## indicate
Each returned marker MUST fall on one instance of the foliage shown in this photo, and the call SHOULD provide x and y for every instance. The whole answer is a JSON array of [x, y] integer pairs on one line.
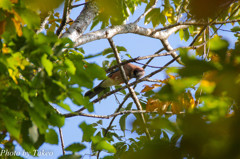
[[40, 71]]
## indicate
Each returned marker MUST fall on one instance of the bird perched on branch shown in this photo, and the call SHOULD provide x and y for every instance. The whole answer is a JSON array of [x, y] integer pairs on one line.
[[115, 78]]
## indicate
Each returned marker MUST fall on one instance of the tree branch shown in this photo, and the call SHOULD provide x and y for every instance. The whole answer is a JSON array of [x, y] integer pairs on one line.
[[65, 16], [82, 22], [131, 91], [145, 13], [114, 115], [44, 22], [78, 5], [196, 24], [123, 29], [169, 48], [62, 142], [130, 84]]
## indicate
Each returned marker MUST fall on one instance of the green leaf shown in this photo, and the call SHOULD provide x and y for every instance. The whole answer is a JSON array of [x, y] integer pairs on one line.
[[64, 106], [29, 17], [41, 5], [75, 147], [73, 156], [108, 157], [191, 29], [235, 29], [5, 4], [196, 67], [154, 16], [10, 119], [186, 35], [162, 18], [95, 71], [95, 22], [38, 119], [70, 66], [47, 64], [129, 106], [51, 137], [56, 120], [218, 45], [109, 50], [122, 122], [79, 99], [181, 34], [88, 131], [102, 144]]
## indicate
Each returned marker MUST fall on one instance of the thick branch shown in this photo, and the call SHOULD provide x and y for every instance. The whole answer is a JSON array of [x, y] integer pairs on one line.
[[115, 114], [123, 29], [169, 48], [82, 22]]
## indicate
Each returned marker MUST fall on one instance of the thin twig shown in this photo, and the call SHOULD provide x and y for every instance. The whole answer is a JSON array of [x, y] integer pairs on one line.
[[146, 78], [131, 91], [44, 22], [226, 19], [135, 82], [130, 84], [114, 117], [139, 58], [62, 142], [60, 133], [208, 24], [78, 5], [201, 31], [65, 17], [160, 50], [145, 13], [156, 54], [147, 65], [195, 24]]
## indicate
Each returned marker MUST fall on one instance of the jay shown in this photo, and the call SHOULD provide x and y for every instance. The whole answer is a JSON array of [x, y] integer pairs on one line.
[[115, 78]]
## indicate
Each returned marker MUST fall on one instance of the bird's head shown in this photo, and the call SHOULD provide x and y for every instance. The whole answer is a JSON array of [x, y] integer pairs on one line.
[[138, 72]]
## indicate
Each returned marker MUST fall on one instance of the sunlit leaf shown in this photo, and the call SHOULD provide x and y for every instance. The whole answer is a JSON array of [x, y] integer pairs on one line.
[[47, 64], [88, 131], [51, 137], [157, 105], [75, 147], [148, 88], [5, 4]]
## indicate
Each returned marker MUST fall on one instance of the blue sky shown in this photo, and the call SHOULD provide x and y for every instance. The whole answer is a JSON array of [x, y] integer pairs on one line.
[[136, 45]]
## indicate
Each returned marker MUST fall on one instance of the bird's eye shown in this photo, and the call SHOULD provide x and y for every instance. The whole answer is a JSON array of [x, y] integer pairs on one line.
[[135, 72]]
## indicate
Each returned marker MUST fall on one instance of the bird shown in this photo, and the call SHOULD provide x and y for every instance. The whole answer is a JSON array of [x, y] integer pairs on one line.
[[115, 78]]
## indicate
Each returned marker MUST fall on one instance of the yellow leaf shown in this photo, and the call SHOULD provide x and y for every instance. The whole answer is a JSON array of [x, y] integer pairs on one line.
[[17, 17], [157, 105], [176, 108], [14, 1], [5, 50], [2, 27], [148, 88], [17, 27], [12, 75]]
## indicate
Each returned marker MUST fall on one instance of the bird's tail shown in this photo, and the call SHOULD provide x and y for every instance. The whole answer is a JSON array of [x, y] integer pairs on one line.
[[95, 91]]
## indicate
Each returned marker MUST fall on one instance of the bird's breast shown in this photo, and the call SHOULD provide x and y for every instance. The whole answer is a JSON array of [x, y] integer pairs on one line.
[[110, 82]]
